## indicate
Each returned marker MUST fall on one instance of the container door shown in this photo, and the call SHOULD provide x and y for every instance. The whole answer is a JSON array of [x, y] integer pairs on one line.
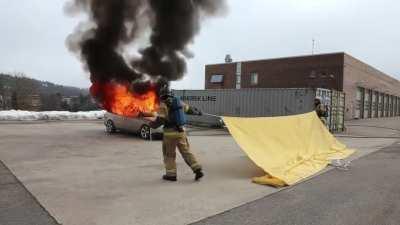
[[341, 111], [328, 99], [337, 110]]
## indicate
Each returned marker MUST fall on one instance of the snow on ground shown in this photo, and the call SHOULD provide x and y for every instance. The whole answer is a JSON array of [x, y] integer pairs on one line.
[[50, 115]]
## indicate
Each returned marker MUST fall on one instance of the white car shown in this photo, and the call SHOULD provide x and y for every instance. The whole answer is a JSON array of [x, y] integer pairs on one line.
[[138, 126]]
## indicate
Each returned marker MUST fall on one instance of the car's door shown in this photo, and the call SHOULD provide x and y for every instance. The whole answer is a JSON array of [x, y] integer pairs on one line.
[[118, 120], [133, 124]]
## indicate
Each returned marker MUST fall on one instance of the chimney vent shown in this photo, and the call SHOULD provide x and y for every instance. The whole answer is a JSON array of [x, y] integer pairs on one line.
[[228, 58]]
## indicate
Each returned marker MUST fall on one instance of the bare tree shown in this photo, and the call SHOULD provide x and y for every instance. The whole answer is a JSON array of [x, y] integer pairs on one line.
[[26, 91]]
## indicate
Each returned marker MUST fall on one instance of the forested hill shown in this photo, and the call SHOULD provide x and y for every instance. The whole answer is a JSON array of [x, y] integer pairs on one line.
[[44, 87]]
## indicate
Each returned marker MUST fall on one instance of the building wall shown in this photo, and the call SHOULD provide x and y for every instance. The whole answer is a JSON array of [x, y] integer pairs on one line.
[[318, 71], [227, 69], [29, 102], [338, 71], [359, 74], [5, 102]]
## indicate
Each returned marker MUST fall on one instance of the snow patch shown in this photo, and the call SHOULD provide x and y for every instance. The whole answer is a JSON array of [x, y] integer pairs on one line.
[[50, 115]]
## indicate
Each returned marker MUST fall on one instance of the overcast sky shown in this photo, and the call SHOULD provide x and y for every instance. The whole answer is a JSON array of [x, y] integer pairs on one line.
[[33, 33]]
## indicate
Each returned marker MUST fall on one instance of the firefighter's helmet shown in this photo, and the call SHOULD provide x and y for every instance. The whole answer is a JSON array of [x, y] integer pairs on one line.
[[165, 92]]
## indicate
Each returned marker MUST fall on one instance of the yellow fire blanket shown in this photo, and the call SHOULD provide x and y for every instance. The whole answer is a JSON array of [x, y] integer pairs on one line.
[[288, 148]]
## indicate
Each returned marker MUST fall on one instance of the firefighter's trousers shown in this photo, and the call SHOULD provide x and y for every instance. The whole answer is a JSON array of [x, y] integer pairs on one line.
[[178, 140]]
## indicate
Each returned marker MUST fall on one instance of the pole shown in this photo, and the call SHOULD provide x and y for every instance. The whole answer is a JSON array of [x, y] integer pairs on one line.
[[313, 46], [151, 134]]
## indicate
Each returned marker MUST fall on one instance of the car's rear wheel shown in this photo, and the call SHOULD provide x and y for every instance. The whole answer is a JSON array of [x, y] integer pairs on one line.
[[110, 127], [145, 132]]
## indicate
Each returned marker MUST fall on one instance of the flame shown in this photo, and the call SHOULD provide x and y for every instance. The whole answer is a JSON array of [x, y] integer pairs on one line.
[[118, 98]]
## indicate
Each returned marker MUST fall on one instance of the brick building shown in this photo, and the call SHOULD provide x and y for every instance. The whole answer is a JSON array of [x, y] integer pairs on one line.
[[369, 92]]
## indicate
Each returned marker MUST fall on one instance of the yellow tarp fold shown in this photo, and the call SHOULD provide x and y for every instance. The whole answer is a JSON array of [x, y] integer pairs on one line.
[[288, 148]]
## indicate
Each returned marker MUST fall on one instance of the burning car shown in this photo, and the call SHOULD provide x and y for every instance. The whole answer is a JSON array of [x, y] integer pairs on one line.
[[123, 106], [126, 82], [140, 126]]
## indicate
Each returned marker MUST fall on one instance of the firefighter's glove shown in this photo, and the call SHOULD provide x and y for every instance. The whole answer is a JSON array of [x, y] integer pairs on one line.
[[157, 123], [194, 111]]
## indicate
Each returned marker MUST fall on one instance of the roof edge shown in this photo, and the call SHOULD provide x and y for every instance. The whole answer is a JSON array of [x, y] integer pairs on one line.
[[280, 58]]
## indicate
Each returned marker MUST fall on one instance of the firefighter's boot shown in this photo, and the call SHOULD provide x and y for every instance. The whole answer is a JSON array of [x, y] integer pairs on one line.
[[169, 178], [198, 174]]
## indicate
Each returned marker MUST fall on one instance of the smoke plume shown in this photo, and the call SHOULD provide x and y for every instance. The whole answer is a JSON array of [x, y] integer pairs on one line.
[[103, 42]]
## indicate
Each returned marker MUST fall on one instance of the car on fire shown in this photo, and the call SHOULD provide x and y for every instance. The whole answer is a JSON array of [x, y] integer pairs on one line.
[[140, 126]]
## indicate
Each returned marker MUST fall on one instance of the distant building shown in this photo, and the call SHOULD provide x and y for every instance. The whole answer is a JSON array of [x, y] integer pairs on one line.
[[67, 100], [5, 98], [71, 101], [369, 92], [28, 102], [2, 104]]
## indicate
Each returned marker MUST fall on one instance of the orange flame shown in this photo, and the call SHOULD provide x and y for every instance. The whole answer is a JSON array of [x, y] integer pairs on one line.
[[117, 98]]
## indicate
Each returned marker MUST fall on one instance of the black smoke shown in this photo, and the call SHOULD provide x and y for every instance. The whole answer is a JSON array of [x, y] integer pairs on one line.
[[114, 25]]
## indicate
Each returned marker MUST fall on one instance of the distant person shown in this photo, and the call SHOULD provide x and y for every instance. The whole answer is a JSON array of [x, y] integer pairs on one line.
[[171, 114], [321, 110]]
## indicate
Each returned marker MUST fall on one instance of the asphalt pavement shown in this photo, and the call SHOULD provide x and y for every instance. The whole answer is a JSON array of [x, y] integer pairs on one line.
[[368, 193], [17, 205], [81, 175]]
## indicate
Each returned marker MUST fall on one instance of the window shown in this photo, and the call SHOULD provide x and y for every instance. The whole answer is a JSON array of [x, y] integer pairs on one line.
[[313, 75], [217, 79], [254, 78]]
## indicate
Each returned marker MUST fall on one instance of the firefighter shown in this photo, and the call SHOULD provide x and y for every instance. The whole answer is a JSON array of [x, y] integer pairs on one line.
[[171, 114], [320, 110]]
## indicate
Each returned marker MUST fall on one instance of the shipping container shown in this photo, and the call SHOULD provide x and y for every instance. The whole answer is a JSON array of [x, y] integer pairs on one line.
[[264, 102], [250, 102]]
